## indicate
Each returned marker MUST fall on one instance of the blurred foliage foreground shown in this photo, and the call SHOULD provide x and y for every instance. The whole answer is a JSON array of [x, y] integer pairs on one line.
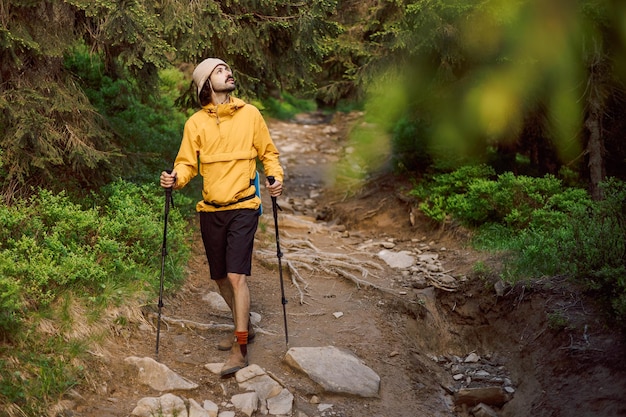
[[68, 273]]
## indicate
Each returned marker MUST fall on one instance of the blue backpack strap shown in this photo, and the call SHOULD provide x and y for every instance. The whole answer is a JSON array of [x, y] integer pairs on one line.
[[258, 191]]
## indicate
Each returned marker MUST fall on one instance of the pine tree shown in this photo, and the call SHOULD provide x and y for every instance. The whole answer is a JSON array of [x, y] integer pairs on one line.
[[51, 134]]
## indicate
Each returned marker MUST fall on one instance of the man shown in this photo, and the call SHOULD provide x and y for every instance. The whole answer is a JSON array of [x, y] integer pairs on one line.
[[222, 142]]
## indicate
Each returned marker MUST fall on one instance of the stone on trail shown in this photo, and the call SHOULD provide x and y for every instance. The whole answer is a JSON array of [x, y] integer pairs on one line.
[[255, 318], [211, 407], [168, 405], [487, 395], [216, 302], [215, 367], [483, 410], [335, 370], [158, 376], [400, 260], [472, 358], [427, 257], [280, 404], [196, 410], [248, 402], [254, 378]]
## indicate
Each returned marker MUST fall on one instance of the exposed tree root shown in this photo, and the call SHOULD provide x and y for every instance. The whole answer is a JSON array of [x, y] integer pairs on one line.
[[303, 255]]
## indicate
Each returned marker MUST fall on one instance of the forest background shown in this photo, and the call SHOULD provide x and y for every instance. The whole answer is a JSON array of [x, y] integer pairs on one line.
[[509, 116]]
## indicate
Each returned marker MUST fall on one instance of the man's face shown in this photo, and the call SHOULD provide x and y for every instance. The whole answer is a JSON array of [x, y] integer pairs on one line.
[[222, 79]]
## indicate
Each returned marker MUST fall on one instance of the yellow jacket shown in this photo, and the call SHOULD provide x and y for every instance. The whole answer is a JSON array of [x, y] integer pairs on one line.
[[225, 141]]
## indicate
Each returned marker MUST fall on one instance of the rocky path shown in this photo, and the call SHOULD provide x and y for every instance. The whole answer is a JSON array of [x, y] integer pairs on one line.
[[340, 284], [383, 319]]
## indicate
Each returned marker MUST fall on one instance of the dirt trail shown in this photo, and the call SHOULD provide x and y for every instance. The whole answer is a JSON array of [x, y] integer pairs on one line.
[[407, 335]]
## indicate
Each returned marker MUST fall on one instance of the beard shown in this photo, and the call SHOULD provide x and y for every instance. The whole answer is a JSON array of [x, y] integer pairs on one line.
[[226, 88]]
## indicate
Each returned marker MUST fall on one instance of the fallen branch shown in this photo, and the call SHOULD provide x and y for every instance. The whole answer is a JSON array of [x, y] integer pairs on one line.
[[364, 272], [194, 325], [314, 314]]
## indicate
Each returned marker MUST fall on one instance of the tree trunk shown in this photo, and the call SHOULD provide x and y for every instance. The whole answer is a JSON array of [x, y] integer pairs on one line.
[[595, 109], [595, 151]]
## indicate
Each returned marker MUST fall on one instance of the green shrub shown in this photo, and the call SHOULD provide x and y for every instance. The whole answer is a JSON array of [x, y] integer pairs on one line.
[[509, 199], [286, 107], [581, 239], [49, 245], [101, 253], [545, 228], [436, 193], [474, 196]]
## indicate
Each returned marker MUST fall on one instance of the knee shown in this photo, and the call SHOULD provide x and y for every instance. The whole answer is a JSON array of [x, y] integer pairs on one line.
[[223, 283], [237, 280]]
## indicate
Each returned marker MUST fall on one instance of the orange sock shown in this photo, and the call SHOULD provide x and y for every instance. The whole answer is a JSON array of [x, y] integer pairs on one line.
[[242, 338]]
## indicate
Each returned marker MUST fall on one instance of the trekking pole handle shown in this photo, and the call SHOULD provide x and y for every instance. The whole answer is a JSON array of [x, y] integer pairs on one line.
[[272, 180], [168, 191], [169, 171]]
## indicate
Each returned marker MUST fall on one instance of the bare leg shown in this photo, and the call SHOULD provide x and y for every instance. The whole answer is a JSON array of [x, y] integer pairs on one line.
[[241, 301], [241, 315], [226, 290]]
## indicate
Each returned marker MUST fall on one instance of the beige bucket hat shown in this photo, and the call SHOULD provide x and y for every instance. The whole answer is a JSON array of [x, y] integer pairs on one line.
[[203, 71]]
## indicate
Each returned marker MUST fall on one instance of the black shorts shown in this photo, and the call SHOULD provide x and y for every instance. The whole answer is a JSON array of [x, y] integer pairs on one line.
[[228, 238]]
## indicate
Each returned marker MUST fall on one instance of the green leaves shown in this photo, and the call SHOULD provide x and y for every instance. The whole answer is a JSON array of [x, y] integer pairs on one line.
[[80, 79], [51, 245], [62, 262], [547, 229], [474, 195]]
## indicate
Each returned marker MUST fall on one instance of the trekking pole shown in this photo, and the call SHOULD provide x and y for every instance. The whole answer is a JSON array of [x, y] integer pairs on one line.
[[275, 208], [168, 200]]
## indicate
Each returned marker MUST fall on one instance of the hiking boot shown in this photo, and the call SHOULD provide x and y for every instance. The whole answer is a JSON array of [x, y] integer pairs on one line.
[[227, 342], [237, 360]]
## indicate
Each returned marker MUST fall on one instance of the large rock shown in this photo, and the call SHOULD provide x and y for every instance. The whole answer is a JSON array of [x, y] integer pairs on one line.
[[158, 376], [254, 378], [210, 407], [398, 260], [335, 370], [168, 405]]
